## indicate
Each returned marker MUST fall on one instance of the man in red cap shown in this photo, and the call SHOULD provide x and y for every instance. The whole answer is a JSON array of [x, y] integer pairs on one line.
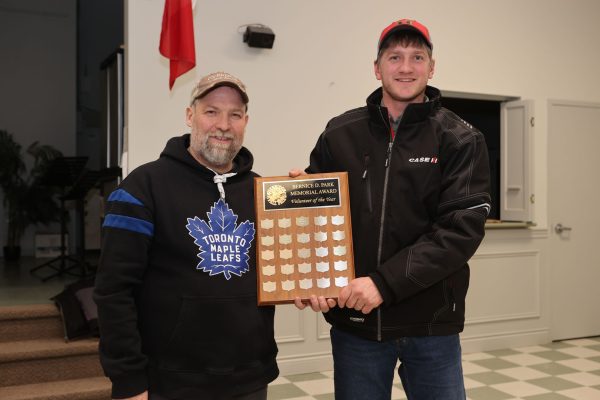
[[419, 195]]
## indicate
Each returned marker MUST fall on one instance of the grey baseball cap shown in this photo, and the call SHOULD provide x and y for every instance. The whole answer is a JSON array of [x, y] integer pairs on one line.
[[216, 79]]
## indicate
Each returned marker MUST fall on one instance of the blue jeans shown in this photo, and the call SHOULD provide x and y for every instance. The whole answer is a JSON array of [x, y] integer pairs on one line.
[[430, 367]]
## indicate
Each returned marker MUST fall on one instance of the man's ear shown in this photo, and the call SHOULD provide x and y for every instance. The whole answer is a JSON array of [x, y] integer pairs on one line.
[[376, 69], [431, 68], [189, 116]]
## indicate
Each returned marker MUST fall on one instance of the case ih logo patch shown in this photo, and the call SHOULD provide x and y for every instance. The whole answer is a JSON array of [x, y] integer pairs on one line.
[[430, 160]]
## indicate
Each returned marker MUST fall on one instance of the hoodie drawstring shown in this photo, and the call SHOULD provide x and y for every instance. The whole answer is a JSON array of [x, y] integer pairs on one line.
[[220, 179]]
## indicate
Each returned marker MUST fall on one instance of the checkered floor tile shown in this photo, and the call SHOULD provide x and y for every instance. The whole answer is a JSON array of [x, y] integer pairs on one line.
[[567, 370]]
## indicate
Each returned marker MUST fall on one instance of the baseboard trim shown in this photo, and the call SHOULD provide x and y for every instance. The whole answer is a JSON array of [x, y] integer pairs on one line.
[[504, 340], [305, 363]]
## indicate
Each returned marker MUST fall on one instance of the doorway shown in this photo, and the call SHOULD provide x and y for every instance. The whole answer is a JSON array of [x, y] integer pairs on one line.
[[574, 218]]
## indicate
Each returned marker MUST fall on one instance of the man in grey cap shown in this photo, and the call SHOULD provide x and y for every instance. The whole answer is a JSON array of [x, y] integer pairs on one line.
[[176, 286]]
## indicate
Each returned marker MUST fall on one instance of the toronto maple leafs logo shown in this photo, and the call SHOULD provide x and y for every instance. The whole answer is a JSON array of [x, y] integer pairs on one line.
[[223, 245]]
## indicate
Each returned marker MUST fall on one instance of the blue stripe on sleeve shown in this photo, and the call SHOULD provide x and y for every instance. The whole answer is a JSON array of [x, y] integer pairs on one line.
[[124, 197], [128, 223]]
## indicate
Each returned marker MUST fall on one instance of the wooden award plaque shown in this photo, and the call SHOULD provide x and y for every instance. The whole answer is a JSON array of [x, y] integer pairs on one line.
[[304, 237]]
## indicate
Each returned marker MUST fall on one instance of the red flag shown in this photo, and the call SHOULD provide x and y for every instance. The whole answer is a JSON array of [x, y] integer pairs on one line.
[[177, 38]]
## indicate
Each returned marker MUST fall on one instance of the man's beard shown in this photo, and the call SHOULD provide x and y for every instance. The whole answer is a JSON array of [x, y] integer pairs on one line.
[[215, 154]]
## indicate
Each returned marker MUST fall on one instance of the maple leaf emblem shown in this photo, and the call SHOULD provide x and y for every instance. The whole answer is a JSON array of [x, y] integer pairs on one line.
[[223, 245]]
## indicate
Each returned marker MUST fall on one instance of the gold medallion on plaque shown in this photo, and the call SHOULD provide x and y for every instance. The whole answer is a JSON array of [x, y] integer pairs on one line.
[[276, 195]]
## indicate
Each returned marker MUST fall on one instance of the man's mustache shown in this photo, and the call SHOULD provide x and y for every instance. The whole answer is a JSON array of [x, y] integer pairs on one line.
[[222, 135]]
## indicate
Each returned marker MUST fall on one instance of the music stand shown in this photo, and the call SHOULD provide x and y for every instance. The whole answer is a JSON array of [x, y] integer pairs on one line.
[[87, 181], [63, 172]]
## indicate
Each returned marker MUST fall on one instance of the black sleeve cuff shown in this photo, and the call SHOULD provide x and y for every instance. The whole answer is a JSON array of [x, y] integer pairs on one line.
[[125, 386], [384, 290]]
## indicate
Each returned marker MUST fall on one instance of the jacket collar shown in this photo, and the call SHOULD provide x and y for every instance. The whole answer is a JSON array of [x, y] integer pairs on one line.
[[414, 112]]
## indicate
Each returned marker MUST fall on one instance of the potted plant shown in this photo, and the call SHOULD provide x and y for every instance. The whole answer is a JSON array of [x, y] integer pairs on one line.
[[26, 200]]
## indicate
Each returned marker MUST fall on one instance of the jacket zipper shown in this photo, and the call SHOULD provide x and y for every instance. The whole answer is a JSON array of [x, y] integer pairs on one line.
[[388, 160], [452, 296], [365, 177]]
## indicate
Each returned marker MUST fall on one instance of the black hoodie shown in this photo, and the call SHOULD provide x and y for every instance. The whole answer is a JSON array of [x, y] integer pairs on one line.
[[176, 286]]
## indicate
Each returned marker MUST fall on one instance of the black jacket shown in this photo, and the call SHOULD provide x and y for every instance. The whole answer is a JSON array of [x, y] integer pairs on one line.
[[176, 286], [419, 204]]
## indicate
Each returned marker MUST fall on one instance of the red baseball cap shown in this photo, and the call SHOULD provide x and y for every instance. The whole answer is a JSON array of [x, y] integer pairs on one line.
[[405, 24]]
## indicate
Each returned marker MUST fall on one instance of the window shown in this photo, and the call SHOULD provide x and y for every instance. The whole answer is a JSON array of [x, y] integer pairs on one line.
[[505, 123]]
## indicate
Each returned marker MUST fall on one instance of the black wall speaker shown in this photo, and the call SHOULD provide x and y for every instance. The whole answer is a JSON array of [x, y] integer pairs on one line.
[[259, 36]]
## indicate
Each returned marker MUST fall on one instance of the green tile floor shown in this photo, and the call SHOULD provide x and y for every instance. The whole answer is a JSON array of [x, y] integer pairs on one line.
[[568, 370]]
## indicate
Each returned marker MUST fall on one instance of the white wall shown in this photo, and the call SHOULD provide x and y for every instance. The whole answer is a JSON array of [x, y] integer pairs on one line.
[[322, 65]]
